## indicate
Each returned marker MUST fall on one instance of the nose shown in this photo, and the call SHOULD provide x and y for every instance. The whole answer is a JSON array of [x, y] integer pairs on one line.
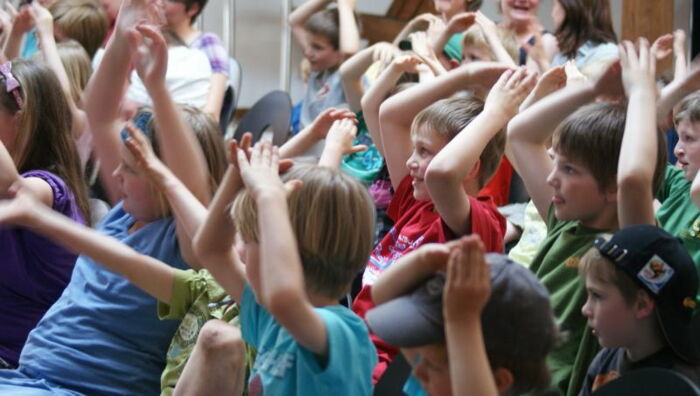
[[586, 309], [552, 180], [411, 162], [678, 150]]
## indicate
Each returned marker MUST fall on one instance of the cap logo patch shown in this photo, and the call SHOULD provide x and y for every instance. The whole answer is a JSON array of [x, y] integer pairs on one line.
[[655, 274]]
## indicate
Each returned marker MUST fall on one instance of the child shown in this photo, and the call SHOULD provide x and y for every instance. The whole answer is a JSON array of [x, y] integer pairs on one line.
[[443, 332], [326, 37], [576, 193], [180, 16], [437, 163], [37, 153], [81, 20], [102, 335], [297, 266], [641, 286]]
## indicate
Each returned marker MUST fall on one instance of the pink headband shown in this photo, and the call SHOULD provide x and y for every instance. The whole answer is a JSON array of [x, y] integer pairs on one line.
[[11, 84]]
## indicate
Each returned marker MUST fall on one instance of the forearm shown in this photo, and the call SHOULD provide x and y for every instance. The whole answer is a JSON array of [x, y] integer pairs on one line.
[[351, 72], [401, 277], [179, 147], [299, 16], [13, 44], [189, 211], [215, 99], [497, 48], [439, 44], [105, 90], [147, 273], [331, 156], [299, 144], [470, 372], [8, 172], [349, 33], [216, 235], [279, 257], [670, 96], [373, 99], [637, 161]]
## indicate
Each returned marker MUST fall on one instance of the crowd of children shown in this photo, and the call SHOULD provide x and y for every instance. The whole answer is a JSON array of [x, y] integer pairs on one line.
[[241, 268]]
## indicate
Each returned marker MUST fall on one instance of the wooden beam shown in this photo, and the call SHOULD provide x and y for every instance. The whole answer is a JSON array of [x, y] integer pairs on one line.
[[650, 19], [377, 28]]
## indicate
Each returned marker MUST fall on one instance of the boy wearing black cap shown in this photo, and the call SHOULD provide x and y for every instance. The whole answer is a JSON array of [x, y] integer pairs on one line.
[[516, 321], [641, 286]]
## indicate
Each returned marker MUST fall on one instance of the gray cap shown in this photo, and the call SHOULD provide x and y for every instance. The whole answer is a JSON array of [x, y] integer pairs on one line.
[[517, 320]]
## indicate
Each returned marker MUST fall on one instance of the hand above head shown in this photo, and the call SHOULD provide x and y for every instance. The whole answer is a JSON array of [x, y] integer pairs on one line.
[[341, 136], [638, 69], [323, 122], [510, 91], [461, 22], [679, 41], [663, 46], [609, 84], [141, 149], [468, 285], [151, 56], [384, 53], [42, 18], [407, 63], [573, 74], [552, 80], [260, 173], [138, 12], [421, 46], [485, 74], [23, 22]]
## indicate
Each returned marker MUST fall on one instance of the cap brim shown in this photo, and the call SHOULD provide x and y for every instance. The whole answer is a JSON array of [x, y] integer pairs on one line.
[[680, 337], [401, 323]]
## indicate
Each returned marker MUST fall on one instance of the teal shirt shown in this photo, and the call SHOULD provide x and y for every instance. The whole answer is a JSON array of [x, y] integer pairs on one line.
[[283, 367]]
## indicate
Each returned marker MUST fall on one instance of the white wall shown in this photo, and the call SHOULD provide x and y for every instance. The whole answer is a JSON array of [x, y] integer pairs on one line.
[[253, 32]]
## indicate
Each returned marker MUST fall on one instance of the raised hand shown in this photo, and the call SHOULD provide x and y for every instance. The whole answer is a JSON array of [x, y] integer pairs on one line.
[[151, 57], [407, 63], [341, 136], [510, 91], [323, 122], [663, 46], [468, 285], [141, 149], [260, 173], [573, 74], [461, 22], [552, 80], [133, 13], [42, 18], [638, 69], [609, 84], [23, 22], [384, 53]]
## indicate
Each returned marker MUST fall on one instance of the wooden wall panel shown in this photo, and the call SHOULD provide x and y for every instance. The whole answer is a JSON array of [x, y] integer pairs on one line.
[[647, 18]]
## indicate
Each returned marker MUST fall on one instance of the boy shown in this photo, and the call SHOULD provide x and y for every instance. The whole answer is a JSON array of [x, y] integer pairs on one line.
[[437, 164], [641, 287], [575, 191], [440, 329], [298, 265], [326, 37]]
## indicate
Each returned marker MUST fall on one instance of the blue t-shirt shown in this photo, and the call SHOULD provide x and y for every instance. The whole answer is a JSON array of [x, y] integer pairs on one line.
[[282, 367], [103, 335]]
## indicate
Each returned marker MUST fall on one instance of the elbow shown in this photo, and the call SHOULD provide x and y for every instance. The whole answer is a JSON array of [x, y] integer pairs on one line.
[[635, 181], [439, 174], [282, 301]]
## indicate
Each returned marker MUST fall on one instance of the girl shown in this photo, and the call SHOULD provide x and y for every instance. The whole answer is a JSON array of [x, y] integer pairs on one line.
[[102, 336], [37, 153]]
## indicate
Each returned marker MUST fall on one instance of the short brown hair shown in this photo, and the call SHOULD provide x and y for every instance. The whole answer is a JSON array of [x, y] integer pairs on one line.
[[584, 20], [593, 135], [325, 23], [474, 36], [332, 216], [82, 20], [448, 117], [688, 108], [78, 67], [597, 266]]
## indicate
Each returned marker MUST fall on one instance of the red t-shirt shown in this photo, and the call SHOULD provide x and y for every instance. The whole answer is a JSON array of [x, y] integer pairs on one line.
[[417, 223], [498, 187]]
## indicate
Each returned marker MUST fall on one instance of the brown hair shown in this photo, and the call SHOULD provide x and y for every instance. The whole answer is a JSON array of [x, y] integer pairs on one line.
[[528, 374], [688, 108], [585, 20], [332, 216], [595, 132], [44, 139], [76, 62], [448, 117], [474, 36], [325, 23], [82, 20], [593, 264]]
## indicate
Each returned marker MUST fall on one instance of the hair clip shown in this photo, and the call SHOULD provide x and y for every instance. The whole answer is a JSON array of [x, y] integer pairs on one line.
[[11, 84]]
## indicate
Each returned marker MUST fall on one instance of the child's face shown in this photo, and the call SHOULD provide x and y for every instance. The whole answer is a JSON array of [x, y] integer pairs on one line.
[[474, 53], [320, 53], [425, 146], [610, 317], [577, 195], [431, 368], [687, 149], [136, 190], [519, 10], [176, 13]]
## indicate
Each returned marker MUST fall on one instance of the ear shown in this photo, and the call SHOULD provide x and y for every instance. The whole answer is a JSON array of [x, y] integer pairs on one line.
[[611, 193], [504, 379], [644, 305], [194, 9]]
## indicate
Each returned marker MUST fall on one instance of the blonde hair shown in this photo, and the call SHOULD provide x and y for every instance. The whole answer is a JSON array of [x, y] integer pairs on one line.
[[332, 216], [474, 36], [82, 20], [76, 62]]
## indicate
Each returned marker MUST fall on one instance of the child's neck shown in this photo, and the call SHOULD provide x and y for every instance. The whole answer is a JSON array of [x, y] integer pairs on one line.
[[318, 300], [185, 32], [648, 341], [605, 220]]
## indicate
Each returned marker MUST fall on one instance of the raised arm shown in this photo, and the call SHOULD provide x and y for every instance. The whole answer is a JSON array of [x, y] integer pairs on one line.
[[491, 34], [457, 160], [419, 22], [349, 40], [312, 134], [457, 24], [379, 91], [298, 18], [43, 20], [637, 162], [147, 273], [20, 26], [397, 112], [673, 93], [465, 295], [339, 143], [352, 70], [680, 67], [529, 132], [281, 291], [104, 93]]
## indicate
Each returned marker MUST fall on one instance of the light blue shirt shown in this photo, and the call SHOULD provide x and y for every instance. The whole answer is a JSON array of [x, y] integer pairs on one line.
[[283, 367], [103, 335], [589, 52]]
